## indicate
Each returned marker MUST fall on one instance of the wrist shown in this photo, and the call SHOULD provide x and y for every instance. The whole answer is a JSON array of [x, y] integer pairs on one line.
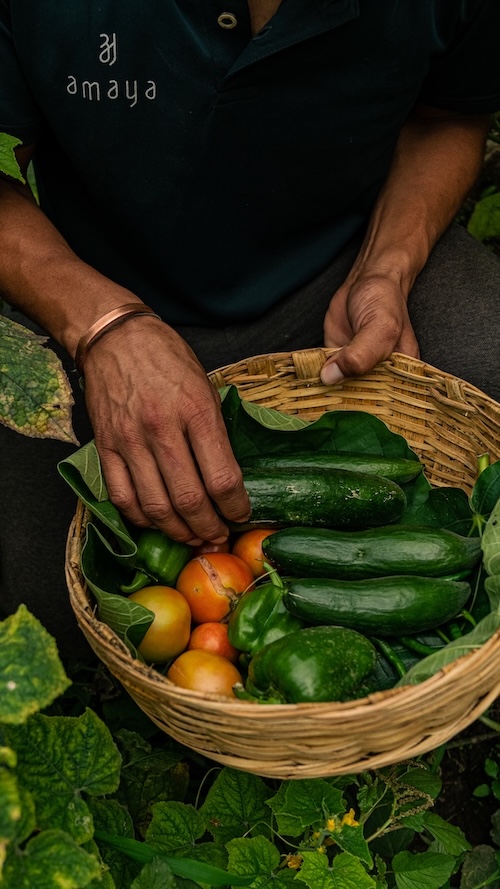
[[106, 323]]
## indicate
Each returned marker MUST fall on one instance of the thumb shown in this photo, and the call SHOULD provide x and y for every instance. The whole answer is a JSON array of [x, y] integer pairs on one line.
[[356, 358]]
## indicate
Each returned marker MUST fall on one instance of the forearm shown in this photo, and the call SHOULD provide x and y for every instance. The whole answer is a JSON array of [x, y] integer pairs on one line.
[[437, 160], [41, 276]]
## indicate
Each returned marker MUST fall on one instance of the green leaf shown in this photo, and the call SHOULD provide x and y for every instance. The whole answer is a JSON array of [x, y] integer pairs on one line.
[[429, 869], [453, 650], [51, 860], [479, 868], [175, 828], [450, 837], [438, 508], [82, 471], [84, 467], [110, 816], [8, 160], [490, 542], [423, 781], [484, 222], [148, 776], [61, 757], [104, 880], [335, 431], [258, 856], [486, 491], [155, 875], [31, 673], [273, 419], [35, 396], [235, 805], [308, 802], [104, 573], [10, 807], [346, 872], [26, 824], [350, 838]]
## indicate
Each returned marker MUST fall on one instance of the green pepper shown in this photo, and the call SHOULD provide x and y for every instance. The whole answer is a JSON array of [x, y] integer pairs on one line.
[[158, 560], [260, 617], [312, 665]]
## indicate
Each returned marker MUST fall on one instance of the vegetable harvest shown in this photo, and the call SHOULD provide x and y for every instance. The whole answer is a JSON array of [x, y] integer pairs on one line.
[[358, 575]]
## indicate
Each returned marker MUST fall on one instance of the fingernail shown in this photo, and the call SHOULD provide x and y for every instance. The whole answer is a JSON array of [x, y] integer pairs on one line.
[[330, 374]]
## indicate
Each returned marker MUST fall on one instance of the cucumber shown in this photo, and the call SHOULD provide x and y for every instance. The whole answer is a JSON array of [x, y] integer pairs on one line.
[[374, 552], [378, 606], [336, 498], [399, 469]]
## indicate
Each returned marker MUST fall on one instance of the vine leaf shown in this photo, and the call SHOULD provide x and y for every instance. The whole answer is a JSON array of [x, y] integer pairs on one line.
[[35, 394], [8, 160]]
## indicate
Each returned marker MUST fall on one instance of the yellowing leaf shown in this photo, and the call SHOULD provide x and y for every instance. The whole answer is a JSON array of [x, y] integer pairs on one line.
[[35, 395], [31, 673]]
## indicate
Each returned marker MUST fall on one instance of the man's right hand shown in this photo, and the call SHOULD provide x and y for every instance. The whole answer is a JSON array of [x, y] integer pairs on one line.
[[158, 428]]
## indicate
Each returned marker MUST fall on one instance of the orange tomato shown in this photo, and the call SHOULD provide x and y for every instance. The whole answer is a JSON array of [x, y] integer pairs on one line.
[[204, 671], [213, 636], [169, 632], [248, 547], [211, 584]]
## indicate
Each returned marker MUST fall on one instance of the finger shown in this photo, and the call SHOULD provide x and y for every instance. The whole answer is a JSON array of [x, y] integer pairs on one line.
[[222, 474], [408, 343], [189, 492], [120, 488], [138, 490]]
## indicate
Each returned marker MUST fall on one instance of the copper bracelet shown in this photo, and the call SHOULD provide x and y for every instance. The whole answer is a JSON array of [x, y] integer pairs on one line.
[[102, 325]]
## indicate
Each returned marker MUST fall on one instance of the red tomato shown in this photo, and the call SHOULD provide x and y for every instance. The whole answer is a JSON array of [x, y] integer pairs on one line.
[[204, 671], [212, 583], [212, 636], [169, 633], [248, 546]]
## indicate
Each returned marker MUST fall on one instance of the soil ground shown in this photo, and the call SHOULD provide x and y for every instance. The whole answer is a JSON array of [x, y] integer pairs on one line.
[[462, 771]]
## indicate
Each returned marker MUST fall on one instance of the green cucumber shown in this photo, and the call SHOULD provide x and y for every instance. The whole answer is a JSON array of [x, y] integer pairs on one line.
[[374, 552], [378, 606], [399, 469], [334, 498]]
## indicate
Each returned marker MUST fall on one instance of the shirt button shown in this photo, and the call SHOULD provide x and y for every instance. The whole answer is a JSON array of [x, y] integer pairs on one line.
[[227, 20]]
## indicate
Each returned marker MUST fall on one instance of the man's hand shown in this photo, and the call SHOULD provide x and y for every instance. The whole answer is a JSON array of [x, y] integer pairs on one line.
[[436, 161], [367, 320], [160, 435]]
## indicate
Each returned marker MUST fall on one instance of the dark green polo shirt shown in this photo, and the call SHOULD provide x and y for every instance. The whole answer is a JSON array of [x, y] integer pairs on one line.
[[212, 172]]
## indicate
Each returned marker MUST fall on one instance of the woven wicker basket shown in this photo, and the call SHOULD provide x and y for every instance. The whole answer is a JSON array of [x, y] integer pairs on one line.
[[449, 423]]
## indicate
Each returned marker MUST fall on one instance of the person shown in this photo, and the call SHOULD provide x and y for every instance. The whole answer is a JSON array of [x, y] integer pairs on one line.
[[263, 176]]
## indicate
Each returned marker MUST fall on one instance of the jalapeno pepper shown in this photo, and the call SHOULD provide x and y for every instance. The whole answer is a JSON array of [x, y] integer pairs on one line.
[[260, 617], [314, 664], [158, 559]]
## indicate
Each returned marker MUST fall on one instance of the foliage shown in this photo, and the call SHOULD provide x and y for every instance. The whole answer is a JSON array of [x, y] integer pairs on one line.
[[35, 395], [8, 162], [481, 211], [65, 784], [81, 806]]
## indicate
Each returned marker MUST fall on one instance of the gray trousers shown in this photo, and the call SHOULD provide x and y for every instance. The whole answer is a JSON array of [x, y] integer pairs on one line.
[[454, 308]]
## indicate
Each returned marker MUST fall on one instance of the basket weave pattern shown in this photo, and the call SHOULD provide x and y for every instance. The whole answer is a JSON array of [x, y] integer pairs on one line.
[[448, 423]]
